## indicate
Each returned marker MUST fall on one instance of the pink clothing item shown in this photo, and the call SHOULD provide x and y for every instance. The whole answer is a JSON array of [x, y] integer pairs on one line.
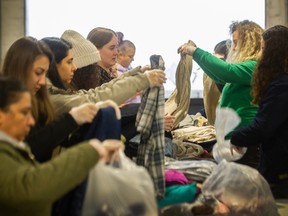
[[121, 70], [174, 177]]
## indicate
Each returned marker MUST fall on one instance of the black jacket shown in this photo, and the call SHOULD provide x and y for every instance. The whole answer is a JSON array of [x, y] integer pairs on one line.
[[270, 129], [43, 139]]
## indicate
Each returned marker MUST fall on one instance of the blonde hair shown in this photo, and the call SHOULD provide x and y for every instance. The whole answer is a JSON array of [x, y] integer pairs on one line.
[[249, 42]]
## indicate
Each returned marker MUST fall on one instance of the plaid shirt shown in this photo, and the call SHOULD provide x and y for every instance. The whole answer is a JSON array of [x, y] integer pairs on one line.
[[150, 125]]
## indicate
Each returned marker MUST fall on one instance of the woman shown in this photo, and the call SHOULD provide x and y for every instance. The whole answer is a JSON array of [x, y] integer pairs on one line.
[[235, 73], [106, 41], [270, 125], [28, 60], [27, 187], [64, 97]]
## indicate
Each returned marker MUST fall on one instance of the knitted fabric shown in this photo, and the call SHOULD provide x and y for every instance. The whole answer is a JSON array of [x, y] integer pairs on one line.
[[85, 53]]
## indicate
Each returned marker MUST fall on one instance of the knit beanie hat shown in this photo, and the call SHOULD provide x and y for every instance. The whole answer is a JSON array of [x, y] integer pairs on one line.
[[85, 53]]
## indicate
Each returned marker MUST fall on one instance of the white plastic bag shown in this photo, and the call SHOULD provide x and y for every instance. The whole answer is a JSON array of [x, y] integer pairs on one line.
[[119, 188], [241, 188], [226, 120]]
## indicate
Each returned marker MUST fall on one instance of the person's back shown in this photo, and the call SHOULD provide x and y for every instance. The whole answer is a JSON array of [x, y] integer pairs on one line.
[[270, 125]]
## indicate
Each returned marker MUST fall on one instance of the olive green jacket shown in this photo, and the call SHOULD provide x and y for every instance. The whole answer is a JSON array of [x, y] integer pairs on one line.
[[29, 188], [119, 90]]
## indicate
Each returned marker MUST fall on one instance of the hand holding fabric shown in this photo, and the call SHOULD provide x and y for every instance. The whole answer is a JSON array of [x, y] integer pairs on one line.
[[109, 103], [107, 148], [145, 67], [84, 113], [187, 48], [237, 149], [168, 122], [156, 77]]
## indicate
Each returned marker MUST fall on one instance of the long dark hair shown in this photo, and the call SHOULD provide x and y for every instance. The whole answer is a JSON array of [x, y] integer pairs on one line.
[[273, 62], [60, 49]]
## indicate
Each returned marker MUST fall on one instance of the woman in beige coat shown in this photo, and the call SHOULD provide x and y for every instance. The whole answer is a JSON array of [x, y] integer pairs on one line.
[[61, 74]]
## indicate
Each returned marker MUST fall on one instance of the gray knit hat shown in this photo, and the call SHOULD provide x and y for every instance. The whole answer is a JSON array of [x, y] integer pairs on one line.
[[85, 53]]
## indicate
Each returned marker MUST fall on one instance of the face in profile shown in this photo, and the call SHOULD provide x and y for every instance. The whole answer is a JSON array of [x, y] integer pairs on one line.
[[66, 68], [17, 120], [109, 53], [235, 37], [126, 58], [38, 73]]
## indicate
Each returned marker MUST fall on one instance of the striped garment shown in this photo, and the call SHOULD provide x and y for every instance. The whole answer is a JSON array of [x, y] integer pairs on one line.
[[150, 125]]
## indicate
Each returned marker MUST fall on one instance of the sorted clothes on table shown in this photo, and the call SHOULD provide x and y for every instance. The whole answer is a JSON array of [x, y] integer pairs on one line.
[[185, 150], [195, 134]]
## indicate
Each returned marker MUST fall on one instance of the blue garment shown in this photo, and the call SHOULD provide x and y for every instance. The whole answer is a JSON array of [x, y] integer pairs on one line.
[[104, 126]]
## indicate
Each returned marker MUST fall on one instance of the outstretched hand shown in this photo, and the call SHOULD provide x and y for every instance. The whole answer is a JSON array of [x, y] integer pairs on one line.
[[109, 103], [187, 48], [106, 148], [86, 112], [156, 77]]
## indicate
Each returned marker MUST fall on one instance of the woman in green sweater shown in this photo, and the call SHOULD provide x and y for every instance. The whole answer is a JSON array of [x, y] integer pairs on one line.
[[27, 187], [235, 74]]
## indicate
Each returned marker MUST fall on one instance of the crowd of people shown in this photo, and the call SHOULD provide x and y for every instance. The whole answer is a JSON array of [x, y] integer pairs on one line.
[[52, 88]]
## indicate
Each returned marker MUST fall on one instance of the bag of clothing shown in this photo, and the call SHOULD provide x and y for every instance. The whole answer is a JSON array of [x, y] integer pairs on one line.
[[226, 120], [119, 188], [236, 189]]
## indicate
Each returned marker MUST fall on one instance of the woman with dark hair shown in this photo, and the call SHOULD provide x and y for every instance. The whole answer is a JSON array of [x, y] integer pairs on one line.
[[23, 54], [28, 60], [270, 125], [28, 187], [119, 90], [62, 52]]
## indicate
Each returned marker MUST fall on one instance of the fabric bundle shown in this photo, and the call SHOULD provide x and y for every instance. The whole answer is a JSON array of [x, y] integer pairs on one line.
[[179, 101], [195, 134]]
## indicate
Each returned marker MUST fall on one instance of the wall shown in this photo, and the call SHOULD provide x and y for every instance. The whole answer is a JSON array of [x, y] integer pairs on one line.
[[12, 25]]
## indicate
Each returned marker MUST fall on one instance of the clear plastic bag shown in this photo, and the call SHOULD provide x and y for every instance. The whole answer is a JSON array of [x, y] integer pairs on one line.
[[226, 120], [119, 188], [241, 188]]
